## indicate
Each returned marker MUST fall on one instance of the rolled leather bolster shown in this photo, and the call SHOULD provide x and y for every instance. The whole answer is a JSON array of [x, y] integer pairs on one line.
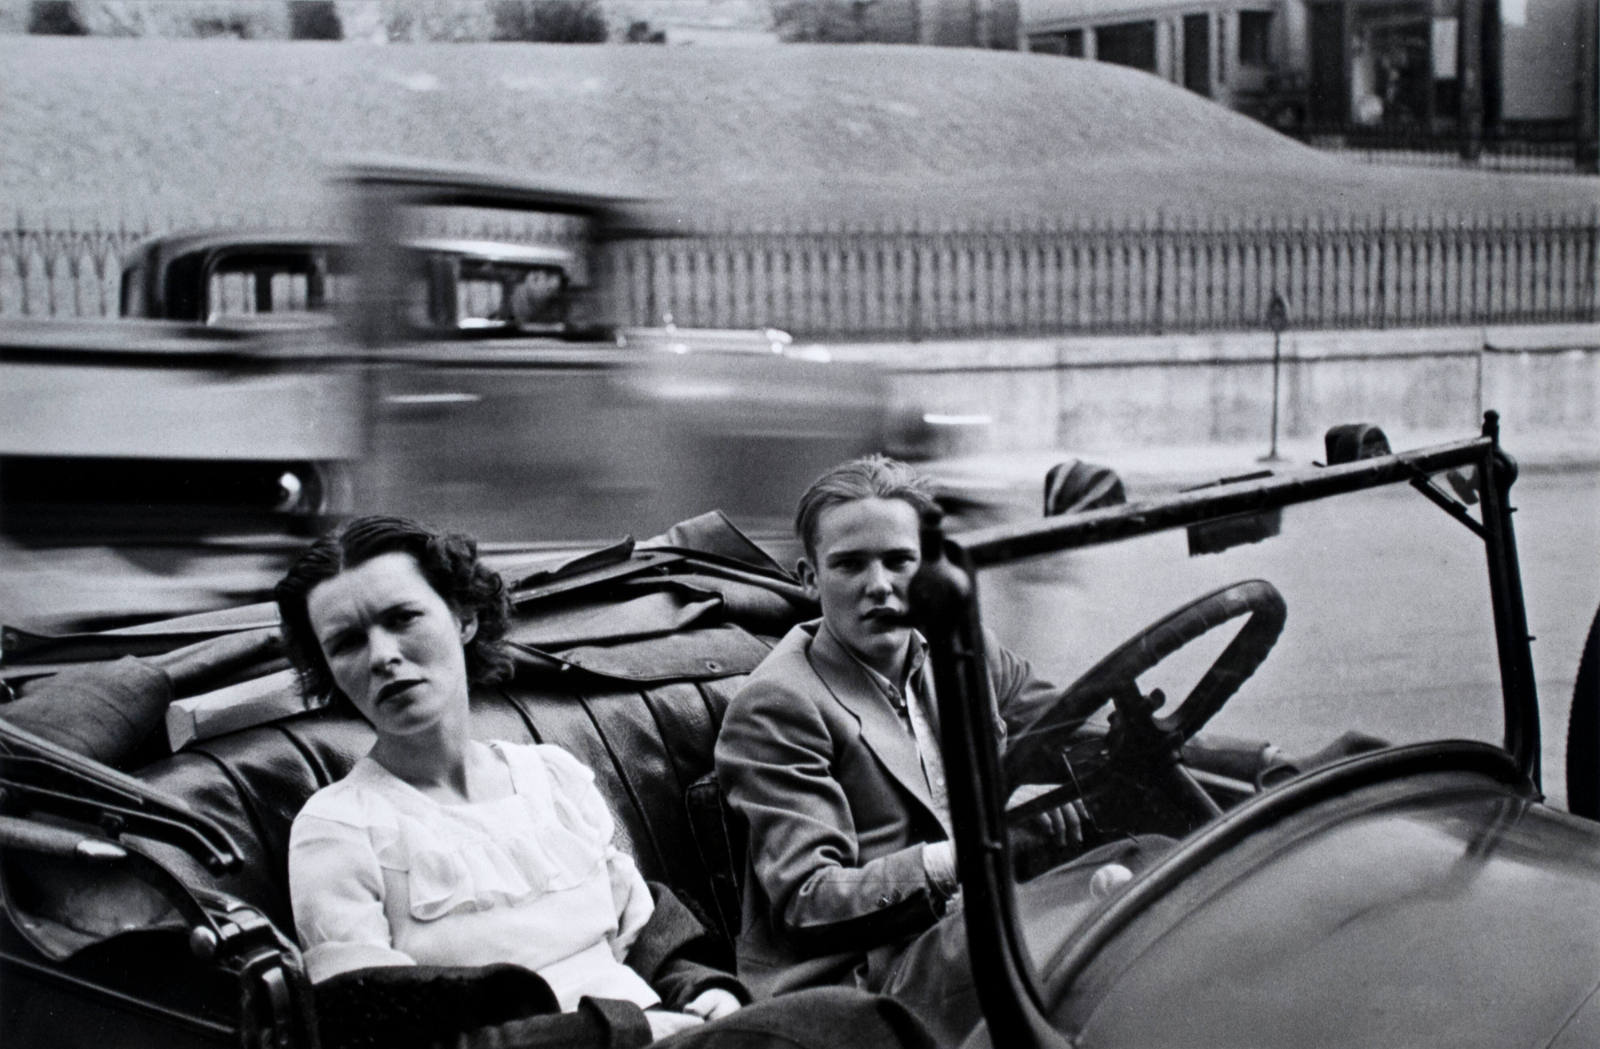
[[106, 711]]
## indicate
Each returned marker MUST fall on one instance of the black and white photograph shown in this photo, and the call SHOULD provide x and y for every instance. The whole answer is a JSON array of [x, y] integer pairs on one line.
[[799, 524]]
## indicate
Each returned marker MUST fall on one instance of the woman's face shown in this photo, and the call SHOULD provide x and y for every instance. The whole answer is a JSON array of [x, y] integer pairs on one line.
[[395, 647]]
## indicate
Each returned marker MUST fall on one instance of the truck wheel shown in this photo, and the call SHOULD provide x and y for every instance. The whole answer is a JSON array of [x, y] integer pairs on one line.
[[1583, 731]]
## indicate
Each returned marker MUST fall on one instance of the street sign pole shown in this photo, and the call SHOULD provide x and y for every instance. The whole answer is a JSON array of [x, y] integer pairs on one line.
[[1277, 320]]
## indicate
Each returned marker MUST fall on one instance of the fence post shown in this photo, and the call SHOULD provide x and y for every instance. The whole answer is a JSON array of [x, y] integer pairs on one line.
[[1591, 282], [1158, 238], [914, 292], [24, 268], [1383, 270], [11, 243]]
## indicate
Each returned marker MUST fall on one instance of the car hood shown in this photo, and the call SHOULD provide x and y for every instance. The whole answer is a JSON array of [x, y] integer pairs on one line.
[[1442, 910]]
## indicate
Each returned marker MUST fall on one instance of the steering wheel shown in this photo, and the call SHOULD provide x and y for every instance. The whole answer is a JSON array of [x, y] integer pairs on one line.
[[1045, 752]]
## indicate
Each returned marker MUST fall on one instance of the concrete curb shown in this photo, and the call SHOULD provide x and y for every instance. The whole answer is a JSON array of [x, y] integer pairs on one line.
[[1023, 353]]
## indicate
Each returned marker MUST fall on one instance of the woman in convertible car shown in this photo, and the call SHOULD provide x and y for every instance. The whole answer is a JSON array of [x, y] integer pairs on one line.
[[447, 884]]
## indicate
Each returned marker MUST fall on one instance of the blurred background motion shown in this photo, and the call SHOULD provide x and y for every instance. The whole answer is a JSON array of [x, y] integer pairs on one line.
[[275, 382]]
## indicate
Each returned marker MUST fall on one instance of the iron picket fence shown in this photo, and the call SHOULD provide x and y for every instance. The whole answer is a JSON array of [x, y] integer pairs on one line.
[[1148, 276], [63, 271], [1545, 146], [915, 280]]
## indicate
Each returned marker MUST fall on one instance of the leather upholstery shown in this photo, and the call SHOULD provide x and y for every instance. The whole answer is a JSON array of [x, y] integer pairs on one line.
[[627, 657], [646, 745]]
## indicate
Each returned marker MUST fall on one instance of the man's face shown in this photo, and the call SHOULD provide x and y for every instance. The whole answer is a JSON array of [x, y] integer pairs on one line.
[[866, 552]]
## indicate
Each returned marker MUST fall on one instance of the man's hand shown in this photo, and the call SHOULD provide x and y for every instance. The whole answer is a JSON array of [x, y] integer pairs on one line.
[[714, 1004], [1061, 826], [1047, 838]]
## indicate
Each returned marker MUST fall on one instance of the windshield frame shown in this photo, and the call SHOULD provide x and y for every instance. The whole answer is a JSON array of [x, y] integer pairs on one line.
[[946, 597]]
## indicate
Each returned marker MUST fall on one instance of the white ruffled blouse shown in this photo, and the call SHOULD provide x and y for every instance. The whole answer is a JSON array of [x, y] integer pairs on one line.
[[382, 874]]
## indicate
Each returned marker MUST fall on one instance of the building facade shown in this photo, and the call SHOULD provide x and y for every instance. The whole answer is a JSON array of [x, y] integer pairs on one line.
[[1418, 68]]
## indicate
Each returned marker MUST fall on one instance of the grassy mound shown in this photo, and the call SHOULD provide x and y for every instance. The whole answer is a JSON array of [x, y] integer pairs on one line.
[[99, 127]]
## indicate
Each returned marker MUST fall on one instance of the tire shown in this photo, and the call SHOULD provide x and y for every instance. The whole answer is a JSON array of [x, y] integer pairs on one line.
[[1583, 731]]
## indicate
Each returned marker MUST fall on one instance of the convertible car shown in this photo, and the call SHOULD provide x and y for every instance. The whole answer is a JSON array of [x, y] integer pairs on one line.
[[1419, 891]]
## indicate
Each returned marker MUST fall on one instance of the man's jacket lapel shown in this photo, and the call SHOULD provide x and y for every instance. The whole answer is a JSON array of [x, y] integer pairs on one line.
[[882, 731]]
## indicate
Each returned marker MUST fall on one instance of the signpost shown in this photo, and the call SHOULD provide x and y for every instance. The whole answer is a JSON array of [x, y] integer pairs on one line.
[[1278, 321]]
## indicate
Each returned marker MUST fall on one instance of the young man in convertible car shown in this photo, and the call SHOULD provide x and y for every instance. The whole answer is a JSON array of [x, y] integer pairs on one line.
[[830, 752]]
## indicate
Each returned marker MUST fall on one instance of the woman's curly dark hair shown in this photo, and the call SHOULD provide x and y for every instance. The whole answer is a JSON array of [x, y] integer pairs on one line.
[[449, 562]]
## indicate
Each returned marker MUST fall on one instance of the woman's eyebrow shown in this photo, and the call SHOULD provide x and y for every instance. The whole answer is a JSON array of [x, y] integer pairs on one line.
[[340, 626], [333, 633]]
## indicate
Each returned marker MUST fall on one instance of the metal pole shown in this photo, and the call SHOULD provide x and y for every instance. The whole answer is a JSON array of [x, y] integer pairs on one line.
[[1518, 685], [945, 597], [1278, 320], [1277, 358]]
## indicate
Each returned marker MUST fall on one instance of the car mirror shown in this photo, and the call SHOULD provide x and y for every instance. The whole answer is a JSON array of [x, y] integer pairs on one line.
[[1213, 537]]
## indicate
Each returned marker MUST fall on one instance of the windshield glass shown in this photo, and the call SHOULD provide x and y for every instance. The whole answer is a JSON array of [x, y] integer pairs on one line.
[[1322, 630], [519, 296], [505, 269], [247, 286]]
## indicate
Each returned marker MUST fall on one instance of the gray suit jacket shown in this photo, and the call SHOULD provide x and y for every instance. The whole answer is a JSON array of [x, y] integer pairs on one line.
[[820, 766]]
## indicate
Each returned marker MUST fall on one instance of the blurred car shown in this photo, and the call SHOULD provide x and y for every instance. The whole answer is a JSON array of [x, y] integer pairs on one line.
[[1418, 893], [263, 384]]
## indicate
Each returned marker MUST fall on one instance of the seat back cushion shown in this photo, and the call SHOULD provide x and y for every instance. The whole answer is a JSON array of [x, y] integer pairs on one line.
[[647, 745]]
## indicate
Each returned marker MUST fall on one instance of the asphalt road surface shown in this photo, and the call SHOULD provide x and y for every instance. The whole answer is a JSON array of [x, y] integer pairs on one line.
[[1388, 627]]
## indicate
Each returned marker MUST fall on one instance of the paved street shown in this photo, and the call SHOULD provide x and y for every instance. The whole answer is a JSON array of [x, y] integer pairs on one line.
[[1388, 627]]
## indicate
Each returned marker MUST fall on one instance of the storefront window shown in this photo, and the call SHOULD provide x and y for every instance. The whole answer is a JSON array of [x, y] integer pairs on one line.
[[1255, 38], [1391, 76], [1127, 44], [1068, 42]]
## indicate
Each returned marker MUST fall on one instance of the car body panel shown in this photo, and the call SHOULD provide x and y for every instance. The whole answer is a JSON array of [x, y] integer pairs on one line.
[[175, 397], [1367, 920], [608, 448]]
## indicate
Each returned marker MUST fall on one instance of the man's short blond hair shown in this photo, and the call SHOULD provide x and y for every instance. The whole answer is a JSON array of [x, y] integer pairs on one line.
[[869, 477]]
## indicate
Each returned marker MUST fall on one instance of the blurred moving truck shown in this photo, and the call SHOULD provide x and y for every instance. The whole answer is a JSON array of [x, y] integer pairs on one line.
[[267, 383]]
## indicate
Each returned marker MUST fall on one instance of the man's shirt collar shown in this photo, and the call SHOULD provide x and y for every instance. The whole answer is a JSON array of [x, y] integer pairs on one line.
[[916, 658]]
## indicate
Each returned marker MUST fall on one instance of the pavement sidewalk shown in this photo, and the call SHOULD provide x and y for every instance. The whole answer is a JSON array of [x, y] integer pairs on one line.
[[1166, 468]]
